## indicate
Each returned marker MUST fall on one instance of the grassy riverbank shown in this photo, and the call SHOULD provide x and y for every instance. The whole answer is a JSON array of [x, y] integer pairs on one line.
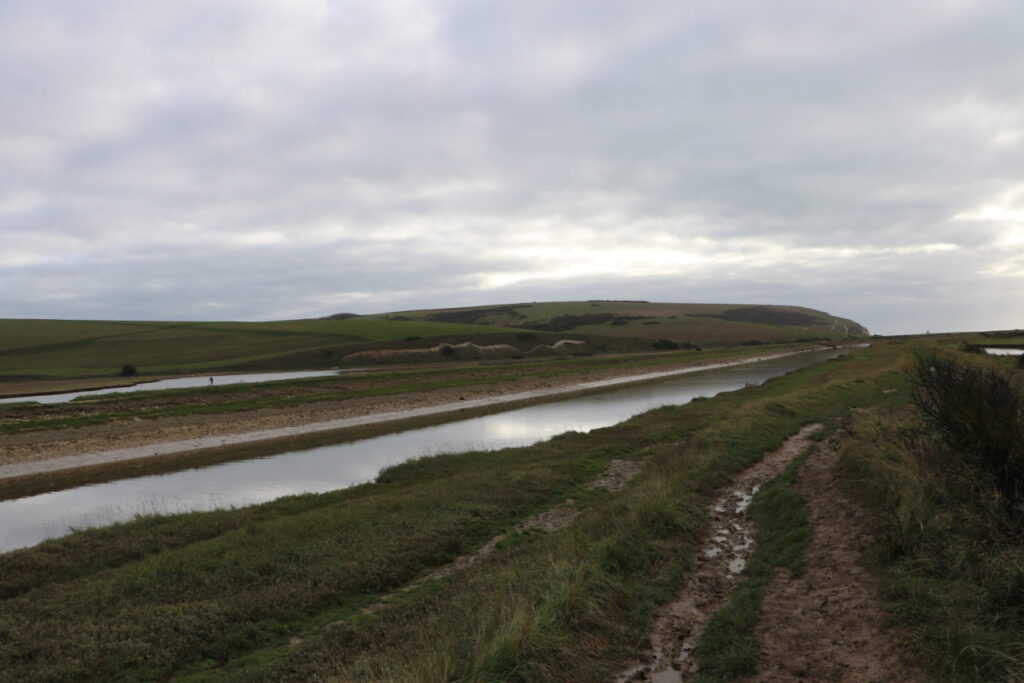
[[227, 595], [946, 480]]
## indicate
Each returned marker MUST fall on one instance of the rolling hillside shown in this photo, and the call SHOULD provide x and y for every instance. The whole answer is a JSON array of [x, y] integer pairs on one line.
[[79, 348], [695, 323]]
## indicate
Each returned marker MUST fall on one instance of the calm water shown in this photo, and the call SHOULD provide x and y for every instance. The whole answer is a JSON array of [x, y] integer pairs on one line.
[[1004, 351], [27, 521], [177, 383]]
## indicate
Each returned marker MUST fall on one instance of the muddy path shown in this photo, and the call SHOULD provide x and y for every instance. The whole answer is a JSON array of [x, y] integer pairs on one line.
[[679, 624], [828, 623]]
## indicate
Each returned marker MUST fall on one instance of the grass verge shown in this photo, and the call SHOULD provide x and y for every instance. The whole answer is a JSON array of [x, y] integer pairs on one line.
[[951, 552]]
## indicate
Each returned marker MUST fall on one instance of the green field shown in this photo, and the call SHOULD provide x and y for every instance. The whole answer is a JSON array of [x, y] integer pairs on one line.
[[76, 348]]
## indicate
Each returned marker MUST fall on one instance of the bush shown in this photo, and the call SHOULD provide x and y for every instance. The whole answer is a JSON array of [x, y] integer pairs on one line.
[[128, 370], [978, 411], [967, 347]]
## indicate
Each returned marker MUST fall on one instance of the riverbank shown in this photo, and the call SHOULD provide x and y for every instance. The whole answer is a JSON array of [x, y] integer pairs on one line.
[[277, 591], [138, 436]]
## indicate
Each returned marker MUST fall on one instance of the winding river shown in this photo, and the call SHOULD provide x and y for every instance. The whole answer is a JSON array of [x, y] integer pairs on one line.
[[30, 520]]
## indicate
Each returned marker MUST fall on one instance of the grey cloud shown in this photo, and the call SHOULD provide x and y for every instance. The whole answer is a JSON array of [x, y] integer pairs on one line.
[[402, 149]]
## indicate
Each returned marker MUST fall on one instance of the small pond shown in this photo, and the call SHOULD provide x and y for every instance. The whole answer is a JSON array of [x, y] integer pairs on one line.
[[1003, 351]]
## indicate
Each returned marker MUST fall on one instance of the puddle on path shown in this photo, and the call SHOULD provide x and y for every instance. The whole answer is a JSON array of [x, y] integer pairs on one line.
[[680, 623]]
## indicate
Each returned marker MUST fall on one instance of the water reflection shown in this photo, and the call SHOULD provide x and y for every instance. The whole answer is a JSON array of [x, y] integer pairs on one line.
[[30, 520], [177, 383], [1003, 351]]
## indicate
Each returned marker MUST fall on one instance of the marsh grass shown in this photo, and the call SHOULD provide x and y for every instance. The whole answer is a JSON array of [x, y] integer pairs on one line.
[[950, 550]]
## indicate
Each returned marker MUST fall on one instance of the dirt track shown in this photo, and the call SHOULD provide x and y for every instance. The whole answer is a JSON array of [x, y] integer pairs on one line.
[[827, 624], [680, 623]]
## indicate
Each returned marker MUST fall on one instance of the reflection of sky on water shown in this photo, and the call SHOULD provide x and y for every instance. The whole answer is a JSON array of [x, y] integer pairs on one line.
[[177, 383], [27, 521], [1004, 352]]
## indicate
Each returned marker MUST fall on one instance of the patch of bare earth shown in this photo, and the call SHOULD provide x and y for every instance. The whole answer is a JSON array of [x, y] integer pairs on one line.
[[679, 623], [827, 624]]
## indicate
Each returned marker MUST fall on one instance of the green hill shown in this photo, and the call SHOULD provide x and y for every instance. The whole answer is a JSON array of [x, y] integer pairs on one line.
[[32, 348], [80, 347], [695, 323]]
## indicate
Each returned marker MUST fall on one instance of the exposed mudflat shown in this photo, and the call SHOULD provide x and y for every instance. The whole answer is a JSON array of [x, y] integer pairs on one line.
[[680, 623], [827, 625]]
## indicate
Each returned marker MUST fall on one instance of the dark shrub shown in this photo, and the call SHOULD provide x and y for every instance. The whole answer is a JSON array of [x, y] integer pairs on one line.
[[128, 370], [664, 344], [967, 347], [978, 411]]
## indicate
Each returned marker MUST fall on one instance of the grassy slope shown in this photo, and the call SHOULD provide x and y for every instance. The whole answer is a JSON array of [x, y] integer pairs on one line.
[[674, 321], [226, 590], [70, 347]]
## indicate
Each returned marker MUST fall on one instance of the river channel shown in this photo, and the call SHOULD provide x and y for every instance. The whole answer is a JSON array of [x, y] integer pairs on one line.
[[176, 383], [30, 520]]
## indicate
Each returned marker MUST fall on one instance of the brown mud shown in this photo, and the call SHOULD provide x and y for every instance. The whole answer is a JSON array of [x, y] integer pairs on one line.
[[828, 623], [679, 624]]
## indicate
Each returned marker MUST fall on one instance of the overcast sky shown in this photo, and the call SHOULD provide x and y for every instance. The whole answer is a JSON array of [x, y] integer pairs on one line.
[[269, 159]]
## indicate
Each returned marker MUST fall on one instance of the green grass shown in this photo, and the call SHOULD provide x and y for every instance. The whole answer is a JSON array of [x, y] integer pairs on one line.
[[950, 553], [73, 348], [70, 348], [223, 592]]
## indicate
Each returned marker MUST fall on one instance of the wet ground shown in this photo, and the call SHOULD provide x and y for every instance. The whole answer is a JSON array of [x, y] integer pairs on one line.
[[680, 623]]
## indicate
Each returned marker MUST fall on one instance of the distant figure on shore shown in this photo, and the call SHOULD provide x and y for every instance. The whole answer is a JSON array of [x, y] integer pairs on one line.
[[211, 380]]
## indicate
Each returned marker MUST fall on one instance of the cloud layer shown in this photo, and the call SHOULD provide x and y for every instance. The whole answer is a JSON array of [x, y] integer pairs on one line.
[[292, 158]]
